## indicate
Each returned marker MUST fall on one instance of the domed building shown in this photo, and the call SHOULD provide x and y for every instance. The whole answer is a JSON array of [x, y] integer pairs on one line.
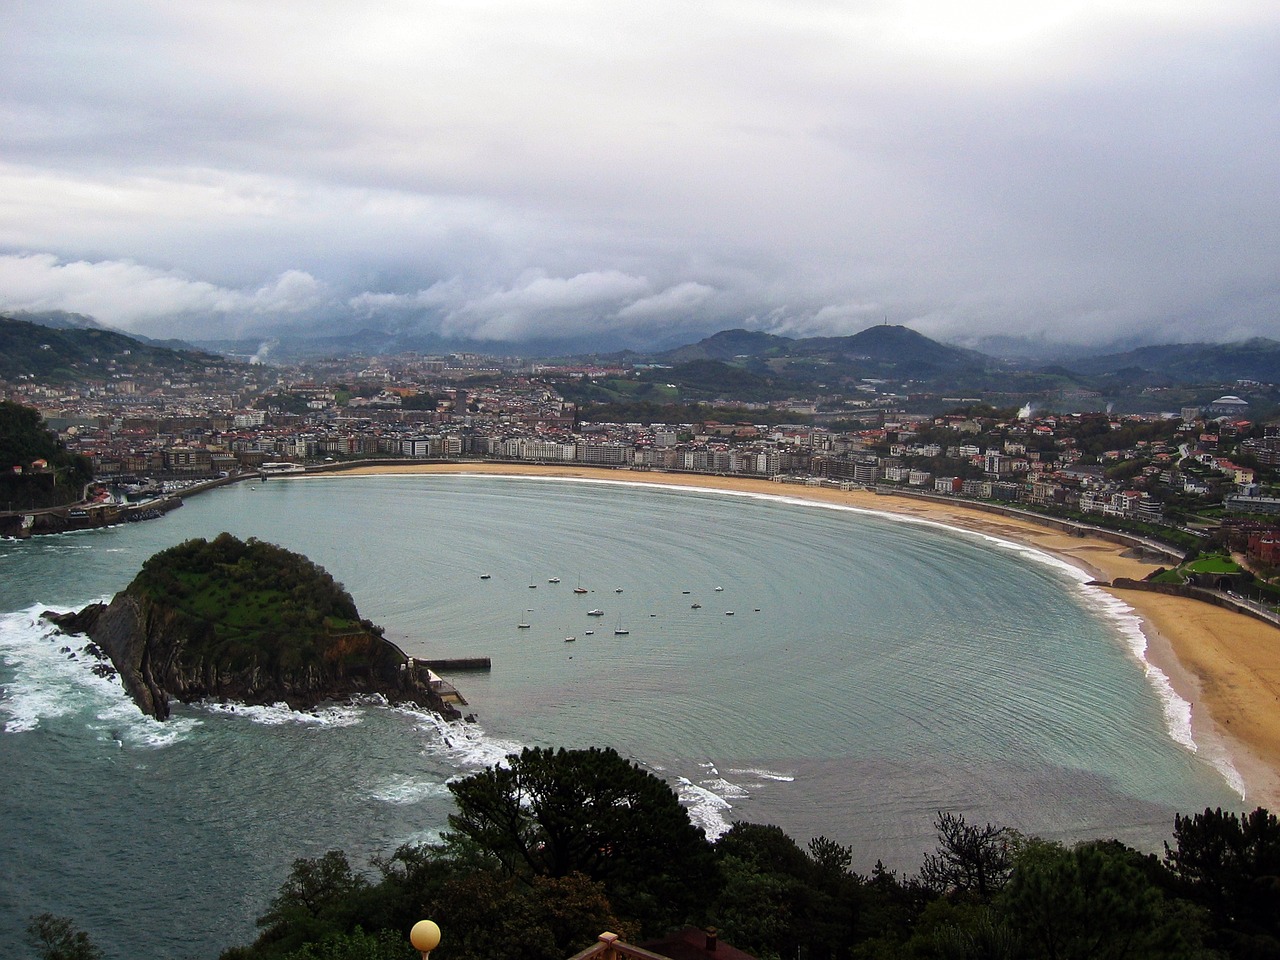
[[1229, 406]]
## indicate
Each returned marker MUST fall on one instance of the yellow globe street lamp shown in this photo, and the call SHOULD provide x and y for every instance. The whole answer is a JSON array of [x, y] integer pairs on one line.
[[425, 937]]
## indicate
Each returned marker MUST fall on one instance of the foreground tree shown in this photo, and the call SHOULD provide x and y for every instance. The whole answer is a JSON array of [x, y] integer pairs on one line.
[[56, 938], [970, 859], [1096, 901], [320, 898], [1231, 865], [553, 813], [358, 945]]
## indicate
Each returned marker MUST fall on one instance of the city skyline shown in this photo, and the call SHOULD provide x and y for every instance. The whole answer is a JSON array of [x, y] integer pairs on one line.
[[1075, 174]]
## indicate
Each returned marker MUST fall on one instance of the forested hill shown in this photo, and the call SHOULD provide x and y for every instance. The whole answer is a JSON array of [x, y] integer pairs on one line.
[[886, 348], [24, 443], [1256, 359], [74, 354]]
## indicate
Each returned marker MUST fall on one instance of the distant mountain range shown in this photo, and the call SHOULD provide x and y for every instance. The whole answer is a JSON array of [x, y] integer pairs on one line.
[[911, 354], [896, 348], [738, 358], [1257, 359]]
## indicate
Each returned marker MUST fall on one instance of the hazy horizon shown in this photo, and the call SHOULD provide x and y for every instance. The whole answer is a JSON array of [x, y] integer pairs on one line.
[[1071, 174]]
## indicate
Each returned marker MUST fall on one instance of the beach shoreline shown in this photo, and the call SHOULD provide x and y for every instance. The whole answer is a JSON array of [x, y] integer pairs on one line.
[[1226, 665]]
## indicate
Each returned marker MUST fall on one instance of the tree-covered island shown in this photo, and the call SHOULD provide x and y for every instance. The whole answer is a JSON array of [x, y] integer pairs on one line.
[[247, 621]]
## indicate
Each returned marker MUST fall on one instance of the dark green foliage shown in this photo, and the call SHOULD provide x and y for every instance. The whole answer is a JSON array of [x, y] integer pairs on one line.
[[1230, 864], [553, 813], [56, 938], [491, 916], [495, 892], [968, 932], [970, 859], [326, 911], [284, 403], [776, 899], [23, 439], [419, 401], [762, 902], [358, 945], [713, 378], [67, 355], [1095, 902], [244, 600], [319, 899]]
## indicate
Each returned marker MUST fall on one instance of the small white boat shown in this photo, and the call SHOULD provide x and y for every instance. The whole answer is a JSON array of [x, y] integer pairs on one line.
[[617, 589], [620, 631], [719, 589], [590, 633], [522, 626], [570, 639], [595, 613], [728, 613], [485, 576], [553, 580]]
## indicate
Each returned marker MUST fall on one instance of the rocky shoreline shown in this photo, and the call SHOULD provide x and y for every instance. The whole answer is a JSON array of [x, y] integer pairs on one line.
[[146, 647]]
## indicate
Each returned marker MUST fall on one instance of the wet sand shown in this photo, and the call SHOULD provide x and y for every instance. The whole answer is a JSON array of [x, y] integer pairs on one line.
[[1225, 664]]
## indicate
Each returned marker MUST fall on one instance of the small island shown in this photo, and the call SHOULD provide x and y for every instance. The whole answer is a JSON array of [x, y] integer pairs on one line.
[[246, 621]]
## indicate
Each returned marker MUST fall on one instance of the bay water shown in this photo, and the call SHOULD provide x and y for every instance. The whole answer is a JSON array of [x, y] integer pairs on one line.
[[842, 674]]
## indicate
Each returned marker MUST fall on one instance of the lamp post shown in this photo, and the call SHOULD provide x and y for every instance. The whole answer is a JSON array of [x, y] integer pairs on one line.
[[425, 937]]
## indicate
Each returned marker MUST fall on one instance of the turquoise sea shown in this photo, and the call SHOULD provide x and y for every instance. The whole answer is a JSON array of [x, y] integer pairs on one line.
[[873, 672]]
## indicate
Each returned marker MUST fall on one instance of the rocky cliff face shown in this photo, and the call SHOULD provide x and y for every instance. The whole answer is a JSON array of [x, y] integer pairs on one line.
[[149, 646]]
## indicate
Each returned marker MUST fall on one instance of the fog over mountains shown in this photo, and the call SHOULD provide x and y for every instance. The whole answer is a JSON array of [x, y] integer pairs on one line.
[[883, 350]]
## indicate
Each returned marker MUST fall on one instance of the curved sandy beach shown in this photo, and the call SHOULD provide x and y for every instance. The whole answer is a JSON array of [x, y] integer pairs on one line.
[[1225, 664]]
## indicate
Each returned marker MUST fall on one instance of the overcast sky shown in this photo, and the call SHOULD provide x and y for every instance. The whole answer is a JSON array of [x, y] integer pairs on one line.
[[645, 172]]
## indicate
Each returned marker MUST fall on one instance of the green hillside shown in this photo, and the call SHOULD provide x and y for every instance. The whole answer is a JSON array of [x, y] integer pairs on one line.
[[70, 355], [25, 440], [247, 602]]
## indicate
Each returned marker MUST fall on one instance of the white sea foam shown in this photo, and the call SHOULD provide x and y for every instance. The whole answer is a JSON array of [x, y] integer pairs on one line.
[[49, 684], [404, 791], [427, 837], [706, 809], [279, 714], [725, 790], [763, 774], [461, 743]]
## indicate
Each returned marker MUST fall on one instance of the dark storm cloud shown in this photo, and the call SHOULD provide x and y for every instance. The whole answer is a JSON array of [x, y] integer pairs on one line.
[[1077, 171]]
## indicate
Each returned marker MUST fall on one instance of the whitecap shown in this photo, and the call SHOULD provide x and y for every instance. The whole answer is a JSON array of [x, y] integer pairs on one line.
[[763, 774], [49, 684], [461, 743], [707, 809], [425, 837], [279, 714], [405, 790], [127, 724], [724, 789]]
